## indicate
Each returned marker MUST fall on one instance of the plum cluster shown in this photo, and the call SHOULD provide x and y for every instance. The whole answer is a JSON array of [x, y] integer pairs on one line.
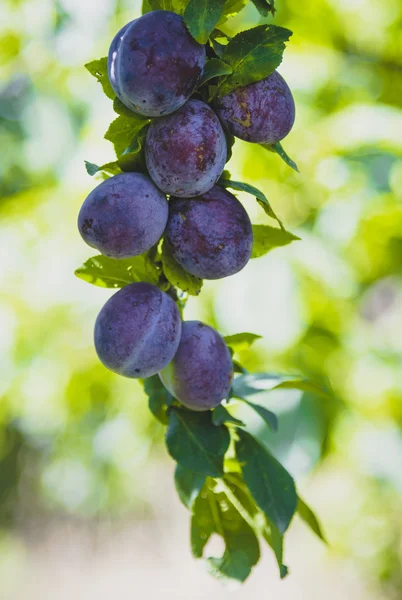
[[155, 67]]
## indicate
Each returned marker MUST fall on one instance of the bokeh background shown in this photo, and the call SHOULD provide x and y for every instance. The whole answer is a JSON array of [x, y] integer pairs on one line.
[[87, 504]]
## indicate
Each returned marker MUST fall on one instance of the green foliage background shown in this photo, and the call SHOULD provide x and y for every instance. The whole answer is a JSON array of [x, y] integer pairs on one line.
[[75, 439]]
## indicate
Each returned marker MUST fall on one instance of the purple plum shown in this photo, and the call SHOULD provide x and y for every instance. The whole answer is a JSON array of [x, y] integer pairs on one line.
[[186, 152], [137, 332], [262, 112], [154, 64], [210, 236], [200, 375], [124, 216]]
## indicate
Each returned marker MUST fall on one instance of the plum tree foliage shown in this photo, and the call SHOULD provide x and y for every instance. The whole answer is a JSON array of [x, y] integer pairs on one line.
[[183, 91]]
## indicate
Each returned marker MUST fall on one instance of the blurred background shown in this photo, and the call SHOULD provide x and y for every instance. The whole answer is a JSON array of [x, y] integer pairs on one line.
[[87, 504]]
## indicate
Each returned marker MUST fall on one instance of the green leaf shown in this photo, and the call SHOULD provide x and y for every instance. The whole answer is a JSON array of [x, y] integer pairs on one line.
[[176, 275], [120, 108], [255, 383], [250, 189], [116, 273], [146, 7], [202, 523], [213, 512], [177, 6], [188, 485], [310, 519], [201, 16], [111, 168], [275, 540], [266, 238], [265, 7], [241, 341], [220, 415], [159, 398], [214, 68], [253, 55], [124, 130], [98, 68], [195, 442], [271, 486], [230, 9], [133, 158], [269, 417], [278, 149], [260, 524]]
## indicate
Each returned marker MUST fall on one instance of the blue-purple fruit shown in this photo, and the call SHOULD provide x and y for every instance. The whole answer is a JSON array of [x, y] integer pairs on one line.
[[186, 152], [124, 216], [261, 112], [155, 64], [210, 236], [200, 375], [138, 330]]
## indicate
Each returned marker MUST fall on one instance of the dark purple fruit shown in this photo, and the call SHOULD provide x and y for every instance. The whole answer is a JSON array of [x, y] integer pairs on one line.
[[124, 216], [210, 236], [200, 375], [137, 332], [155, 64], [262, 112], [186, 152]]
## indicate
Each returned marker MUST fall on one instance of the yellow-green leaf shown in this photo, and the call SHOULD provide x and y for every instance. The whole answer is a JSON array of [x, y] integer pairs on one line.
[[266, 238]]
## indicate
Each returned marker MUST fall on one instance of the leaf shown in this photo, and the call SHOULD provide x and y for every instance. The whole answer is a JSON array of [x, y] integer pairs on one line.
[[146, 8], [271, 486], [159, 398], [221, 415], [253, 55], [255, 383], [310, 519], [111, 168], [133, 158], [195, 443], [278, 149], [230, 9], [275, 540], [241, 341], [265, 7], [266, 238], [213, 512], [265, 528], [177, 6], [120, 108], [269, 417], [123, 131], [116, 273], [201, 16], [188, 485], [98, 68], [214, 68], [176, 275], [250, 189]]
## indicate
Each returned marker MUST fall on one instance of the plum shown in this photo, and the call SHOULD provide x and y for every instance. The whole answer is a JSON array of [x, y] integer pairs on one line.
[[200, 375], [210, 236], [261, 112], [138, 330], [154, 64], [124, 216], [186, 152]]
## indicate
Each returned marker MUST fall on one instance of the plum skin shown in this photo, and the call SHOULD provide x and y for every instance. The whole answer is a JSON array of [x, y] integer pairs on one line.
[[201, 373], [137, 332], [186, 152], [261, 112], [210, 236], [154, 64], [124, 216]]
